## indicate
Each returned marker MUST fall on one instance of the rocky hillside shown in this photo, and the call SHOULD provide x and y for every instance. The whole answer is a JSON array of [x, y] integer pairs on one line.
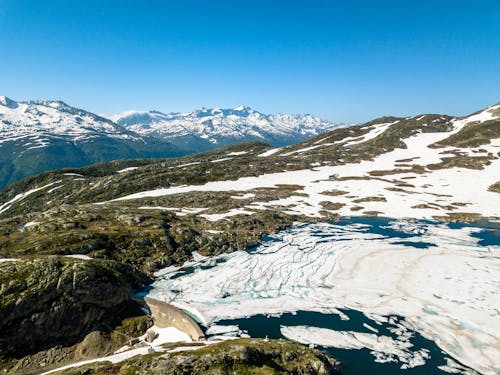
[[53, 302], [152, 213], [43, 135], [206, 129]]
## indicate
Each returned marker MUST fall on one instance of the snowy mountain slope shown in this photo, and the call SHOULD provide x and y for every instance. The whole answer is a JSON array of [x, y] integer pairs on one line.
[[421, 167], [425, 167], [39, 119], [42, 135], [211, 128]]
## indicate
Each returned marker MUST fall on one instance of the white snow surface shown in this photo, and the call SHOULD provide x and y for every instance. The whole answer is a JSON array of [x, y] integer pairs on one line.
[[237, 153], [124, 170], [79, 256], [269, 152], [233, 212], [448, 293]]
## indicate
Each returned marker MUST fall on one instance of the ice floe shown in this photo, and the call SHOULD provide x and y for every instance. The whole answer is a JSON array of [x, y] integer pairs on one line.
[[384, 348]]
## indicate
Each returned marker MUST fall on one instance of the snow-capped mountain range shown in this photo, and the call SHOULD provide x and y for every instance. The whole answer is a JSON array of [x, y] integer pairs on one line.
[[209, 128], [41, 135]]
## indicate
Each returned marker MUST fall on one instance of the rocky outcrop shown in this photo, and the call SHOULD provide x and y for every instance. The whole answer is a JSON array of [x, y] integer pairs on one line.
[[50, 301]]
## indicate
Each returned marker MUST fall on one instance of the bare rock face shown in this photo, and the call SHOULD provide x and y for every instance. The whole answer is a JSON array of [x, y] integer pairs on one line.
[[53, 300], [93, 345], [151, 335]]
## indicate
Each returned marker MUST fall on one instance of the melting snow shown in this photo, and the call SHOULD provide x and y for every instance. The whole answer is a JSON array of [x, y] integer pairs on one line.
[[429, 193], [237, 153], [449, 293], [269, 152], [79, 256], [233, 212]]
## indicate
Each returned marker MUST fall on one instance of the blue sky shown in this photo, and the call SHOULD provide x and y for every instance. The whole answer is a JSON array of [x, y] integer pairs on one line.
[[348, 60]]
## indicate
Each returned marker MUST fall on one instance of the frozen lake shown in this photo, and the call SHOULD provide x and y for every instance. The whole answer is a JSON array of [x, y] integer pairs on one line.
[[376, 293]]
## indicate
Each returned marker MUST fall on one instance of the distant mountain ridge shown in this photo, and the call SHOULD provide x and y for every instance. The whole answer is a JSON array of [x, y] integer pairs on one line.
[[207, 128], [41, 135]]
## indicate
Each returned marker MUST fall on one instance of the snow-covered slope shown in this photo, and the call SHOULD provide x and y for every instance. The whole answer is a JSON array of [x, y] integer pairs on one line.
[[418, 167], [41, 120], [42, 135], [209, 128]]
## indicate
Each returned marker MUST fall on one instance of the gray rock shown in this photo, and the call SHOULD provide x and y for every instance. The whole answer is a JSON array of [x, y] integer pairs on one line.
[[151, 335]]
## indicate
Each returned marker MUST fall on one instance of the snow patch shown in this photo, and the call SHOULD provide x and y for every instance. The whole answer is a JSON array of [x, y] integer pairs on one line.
[[124, 170], [233, 212], [79, 256]]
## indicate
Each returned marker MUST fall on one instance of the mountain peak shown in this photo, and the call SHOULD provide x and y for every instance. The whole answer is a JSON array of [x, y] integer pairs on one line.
[[243, 110], [56, 104], [7, 102]]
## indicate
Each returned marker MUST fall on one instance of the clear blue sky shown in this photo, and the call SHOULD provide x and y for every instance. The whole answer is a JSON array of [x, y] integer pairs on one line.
[[349, 60]]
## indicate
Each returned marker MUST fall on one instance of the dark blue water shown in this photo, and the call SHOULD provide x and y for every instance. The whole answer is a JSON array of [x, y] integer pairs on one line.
[[354, 361]]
